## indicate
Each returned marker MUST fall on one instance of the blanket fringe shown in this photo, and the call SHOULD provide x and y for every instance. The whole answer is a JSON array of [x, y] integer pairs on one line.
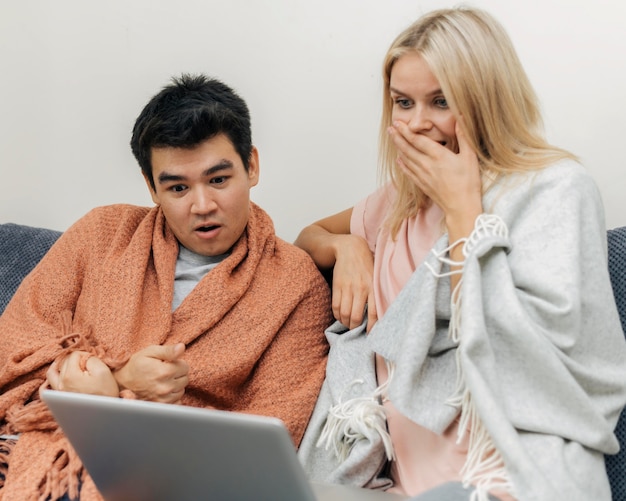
[[35, 415], [64, 475], [348, 422], [5, 450], [484, 467], [84, 341]]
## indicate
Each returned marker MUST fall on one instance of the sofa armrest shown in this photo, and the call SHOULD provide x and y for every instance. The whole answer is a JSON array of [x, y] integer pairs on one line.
[[21, 248]]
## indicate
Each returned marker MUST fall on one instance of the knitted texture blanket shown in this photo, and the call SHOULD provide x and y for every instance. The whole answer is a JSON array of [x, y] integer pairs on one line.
[[530, 356], [253, 329]]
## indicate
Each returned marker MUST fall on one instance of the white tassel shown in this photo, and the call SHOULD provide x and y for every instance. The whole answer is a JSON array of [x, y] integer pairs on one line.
[[442, 257], [348, 422], [484, 468], [455, 309], [484, 226]]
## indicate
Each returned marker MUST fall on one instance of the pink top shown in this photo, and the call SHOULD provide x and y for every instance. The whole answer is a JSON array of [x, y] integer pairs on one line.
[[424, 459], [394, 261]]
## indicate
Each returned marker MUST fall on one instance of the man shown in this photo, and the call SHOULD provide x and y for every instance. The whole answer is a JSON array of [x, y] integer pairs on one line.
[[195, 300]]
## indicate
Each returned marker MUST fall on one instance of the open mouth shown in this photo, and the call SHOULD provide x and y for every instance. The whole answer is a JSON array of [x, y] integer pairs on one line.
[[205, 229]]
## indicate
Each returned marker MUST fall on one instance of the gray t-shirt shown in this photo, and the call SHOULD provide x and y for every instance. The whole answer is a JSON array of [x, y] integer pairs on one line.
[[190, 268]]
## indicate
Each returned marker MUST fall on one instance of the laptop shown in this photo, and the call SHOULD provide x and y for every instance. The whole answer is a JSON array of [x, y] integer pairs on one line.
[[147, 451]]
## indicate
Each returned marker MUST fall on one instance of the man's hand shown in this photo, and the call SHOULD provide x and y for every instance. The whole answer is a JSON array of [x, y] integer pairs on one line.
[[82, 372], [156, 373]]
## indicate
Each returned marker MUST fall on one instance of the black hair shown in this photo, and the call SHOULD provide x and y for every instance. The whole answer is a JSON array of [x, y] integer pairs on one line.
[[187, 112]]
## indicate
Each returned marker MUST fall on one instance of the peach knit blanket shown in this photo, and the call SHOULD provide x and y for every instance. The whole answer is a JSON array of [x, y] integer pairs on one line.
[[253, 330]]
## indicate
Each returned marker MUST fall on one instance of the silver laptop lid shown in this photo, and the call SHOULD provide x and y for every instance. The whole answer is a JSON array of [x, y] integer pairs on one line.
[[136, 450]]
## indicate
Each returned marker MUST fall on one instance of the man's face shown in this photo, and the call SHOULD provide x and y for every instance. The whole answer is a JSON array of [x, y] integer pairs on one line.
[[204, 193]]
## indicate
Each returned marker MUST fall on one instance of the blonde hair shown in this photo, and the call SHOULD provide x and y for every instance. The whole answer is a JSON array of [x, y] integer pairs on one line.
[[482, 79]]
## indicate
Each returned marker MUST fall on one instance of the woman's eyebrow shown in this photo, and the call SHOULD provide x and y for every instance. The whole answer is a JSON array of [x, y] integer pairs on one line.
[[393, 90]]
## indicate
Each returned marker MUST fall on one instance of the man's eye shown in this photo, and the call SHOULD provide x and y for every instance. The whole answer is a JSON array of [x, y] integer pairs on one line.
[[219, 180], [177, 188]]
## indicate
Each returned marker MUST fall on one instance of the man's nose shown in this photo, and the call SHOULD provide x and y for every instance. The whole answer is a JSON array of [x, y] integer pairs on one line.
[[202, 202]]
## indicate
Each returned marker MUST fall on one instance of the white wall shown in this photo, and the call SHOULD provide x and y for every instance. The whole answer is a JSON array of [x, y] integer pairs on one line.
[[75, 74]]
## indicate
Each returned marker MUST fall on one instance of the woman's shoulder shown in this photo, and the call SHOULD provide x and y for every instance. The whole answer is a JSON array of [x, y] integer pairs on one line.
[[568, 179], [563, 189], [372, 209], [383, 196], [564, 176], [567, 170]]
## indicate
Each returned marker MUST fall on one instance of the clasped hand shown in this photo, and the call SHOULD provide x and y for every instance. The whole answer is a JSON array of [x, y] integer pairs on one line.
[[81, 372], [156, 373]]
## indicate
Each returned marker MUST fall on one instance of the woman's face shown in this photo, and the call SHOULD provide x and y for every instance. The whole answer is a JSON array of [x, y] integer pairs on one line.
[[418, 101]]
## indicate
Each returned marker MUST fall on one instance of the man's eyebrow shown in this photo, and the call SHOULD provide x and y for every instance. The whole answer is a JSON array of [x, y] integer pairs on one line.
[[166, 177], [222, 165]]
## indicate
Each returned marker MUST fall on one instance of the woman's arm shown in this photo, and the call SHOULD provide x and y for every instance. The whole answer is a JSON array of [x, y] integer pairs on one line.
[[324, 239], [331, 245]]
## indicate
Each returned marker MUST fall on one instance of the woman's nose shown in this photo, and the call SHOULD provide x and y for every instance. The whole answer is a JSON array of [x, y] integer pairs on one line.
[[420, 121]]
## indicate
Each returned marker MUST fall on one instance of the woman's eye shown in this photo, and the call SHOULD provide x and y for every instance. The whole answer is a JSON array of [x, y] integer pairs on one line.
[[441, 102], [403, 102]]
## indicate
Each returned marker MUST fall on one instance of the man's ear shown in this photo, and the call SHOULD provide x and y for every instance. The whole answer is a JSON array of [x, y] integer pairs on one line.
[[153, 194], [253, 167]]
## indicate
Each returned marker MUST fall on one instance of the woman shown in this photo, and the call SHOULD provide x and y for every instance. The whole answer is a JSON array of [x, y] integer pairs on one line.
[[495, 357]]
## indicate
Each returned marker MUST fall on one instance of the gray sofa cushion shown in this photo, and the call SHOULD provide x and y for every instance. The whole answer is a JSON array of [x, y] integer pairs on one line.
[[616, 465], [21, 248]]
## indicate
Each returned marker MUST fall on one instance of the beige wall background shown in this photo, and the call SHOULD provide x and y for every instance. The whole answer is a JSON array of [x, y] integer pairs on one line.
[[75, 74]]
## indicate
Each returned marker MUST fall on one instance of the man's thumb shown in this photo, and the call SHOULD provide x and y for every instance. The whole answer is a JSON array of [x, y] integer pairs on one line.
[[173, 351]]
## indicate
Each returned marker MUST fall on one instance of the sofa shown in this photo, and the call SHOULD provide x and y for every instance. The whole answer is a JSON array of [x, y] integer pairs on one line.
[[616, 465], [21, 248]]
